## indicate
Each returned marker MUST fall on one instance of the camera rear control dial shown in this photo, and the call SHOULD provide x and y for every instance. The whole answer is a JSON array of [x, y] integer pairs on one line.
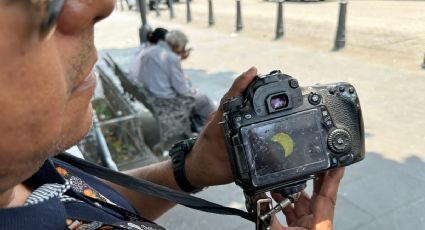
[[339, 141]]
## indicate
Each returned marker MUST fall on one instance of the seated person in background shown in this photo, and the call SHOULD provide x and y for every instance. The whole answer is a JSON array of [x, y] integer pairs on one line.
[[157, 35], [153, 38], [161, 74]]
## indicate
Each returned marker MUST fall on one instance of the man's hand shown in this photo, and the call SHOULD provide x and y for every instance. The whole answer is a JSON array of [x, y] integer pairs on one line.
[[208, 163], [184, 55], [195, 91], [314, 213]]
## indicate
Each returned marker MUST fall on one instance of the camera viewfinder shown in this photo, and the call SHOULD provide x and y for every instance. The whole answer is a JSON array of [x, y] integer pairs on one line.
[[279, 101]]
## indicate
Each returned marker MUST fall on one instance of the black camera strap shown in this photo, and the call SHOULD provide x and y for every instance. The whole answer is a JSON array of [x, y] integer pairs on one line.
[[153, 189]]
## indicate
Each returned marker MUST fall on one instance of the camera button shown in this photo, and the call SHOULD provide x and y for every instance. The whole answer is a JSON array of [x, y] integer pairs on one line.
[[314, 99], [346, 159], [275, 72], [334, 162], [248, 116], [328, 123], [351, 90], [327, 120], [293, 84]]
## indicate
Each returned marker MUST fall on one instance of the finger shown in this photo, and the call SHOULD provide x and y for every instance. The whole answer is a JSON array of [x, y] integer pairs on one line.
[[325, 201], [240, 84], [305, 222], [331, 182], [290, 215], [210, 116], [317, 183], [302, 205], [275, 225], [288, 211]]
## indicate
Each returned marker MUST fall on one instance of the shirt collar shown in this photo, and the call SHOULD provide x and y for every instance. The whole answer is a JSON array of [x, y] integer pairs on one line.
[[165, 45], [50, 214], [46, 174]]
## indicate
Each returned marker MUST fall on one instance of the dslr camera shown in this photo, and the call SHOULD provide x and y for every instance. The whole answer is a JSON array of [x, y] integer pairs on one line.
[[279, 135]]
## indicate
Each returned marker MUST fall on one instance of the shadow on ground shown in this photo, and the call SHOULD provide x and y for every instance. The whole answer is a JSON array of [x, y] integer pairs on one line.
[[375, 194], [213, 84]]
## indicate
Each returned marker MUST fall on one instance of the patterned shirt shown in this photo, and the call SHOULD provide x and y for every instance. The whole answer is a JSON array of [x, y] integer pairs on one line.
[[64, 197]]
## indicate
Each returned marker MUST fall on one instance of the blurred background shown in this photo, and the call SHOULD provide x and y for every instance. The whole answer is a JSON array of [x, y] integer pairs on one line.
[[378, 46]]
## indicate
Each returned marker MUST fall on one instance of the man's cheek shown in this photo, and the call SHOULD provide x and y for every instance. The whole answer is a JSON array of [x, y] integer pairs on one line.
[[30, 131], [78, 116]]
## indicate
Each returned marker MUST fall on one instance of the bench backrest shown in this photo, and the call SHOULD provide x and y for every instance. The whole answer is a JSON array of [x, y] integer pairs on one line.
[[133, 88]]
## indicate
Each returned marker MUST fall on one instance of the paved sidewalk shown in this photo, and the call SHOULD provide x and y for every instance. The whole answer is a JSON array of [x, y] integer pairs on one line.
[[391, 32], [386, 191]]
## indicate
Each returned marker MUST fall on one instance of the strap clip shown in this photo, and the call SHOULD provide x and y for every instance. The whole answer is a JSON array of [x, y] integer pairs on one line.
[[263, 206]]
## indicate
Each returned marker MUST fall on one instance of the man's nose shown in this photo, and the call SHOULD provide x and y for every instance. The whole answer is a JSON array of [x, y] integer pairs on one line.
[[77, 15]]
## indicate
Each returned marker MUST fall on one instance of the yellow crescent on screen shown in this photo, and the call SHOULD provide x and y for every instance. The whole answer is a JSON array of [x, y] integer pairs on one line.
[[285, 141]]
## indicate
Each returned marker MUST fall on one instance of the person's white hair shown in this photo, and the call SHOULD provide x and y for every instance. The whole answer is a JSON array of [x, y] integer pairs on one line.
[[176, 38]]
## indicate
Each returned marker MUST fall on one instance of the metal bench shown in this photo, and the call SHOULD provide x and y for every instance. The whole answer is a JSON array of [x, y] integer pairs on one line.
[[172, 114], [120, 127]]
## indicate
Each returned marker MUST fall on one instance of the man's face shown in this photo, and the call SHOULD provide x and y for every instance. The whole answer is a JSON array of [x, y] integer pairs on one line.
[[178, 50], [45, 85]]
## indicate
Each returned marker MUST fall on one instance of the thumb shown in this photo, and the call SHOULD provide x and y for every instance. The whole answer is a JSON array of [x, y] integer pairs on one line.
[[240, 84]]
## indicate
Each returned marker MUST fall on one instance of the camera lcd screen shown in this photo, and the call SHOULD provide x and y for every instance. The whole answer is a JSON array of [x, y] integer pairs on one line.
[[291, 145]]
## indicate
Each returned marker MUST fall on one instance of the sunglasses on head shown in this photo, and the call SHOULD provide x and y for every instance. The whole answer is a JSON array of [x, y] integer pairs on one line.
[[48, 11]]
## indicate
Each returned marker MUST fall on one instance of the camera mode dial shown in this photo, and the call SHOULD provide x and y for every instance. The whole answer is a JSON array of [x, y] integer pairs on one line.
[[339, 141], [233, 103]]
